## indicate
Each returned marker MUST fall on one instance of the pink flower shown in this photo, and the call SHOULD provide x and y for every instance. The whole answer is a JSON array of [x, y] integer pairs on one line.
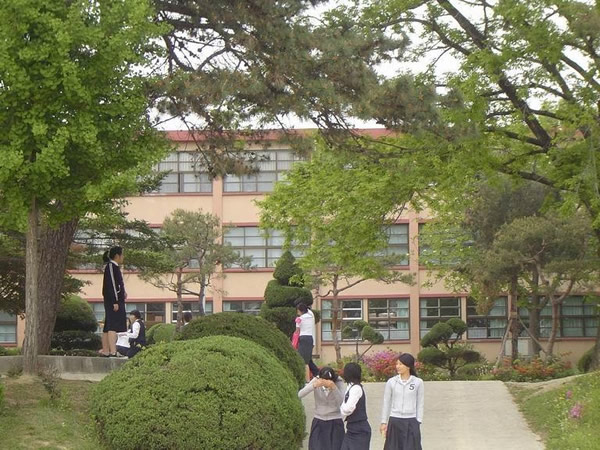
[[575, 412], [568, 394]]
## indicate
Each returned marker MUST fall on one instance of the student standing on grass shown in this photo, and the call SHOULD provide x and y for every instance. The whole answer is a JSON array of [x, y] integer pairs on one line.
[[354, 409], [327, 429], [403, 403], [113, 292]]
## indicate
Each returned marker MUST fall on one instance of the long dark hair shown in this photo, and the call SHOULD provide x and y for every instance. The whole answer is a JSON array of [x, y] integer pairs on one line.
[[110, 254], [327, 373], [409, 361]]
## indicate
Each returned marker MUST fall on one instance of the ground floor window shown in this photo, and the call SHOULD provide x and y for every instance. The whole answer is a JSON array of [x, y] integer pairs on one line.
[[151, 312], [437, 309], [390, 317], [351, 310], [243, 306], [489, 326], [193, 307], [8, 328], [578, 318]]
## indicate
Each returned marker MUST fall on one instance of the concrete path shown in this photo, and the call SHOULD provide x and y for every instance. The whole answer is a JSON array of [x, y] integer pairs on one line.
[[460, 415]]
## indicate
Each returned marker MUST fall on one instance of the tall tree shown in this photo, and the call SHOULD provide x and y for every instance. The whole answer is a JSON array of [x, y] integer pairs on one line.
[[522, 97], [336, 212], [76, 135], [192, 252]]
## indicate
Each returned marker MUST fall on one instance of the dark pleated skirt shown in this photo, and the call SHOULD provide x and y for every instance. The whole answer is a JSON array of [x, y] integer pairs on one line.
[[403, 434], [326, 434], [115, 320], [305, 347], [358, 436]]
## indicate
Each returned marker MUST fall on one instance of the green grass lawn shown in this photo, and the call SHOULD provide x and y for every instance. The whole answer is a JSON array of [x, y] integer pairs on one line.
[[549, 413], [29, 420]]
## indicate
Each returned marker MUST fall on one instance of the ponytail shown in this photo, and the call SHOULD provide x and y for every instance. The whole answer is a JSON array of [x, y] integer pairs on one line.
[[110, 254], [409, 361], [105, 257]]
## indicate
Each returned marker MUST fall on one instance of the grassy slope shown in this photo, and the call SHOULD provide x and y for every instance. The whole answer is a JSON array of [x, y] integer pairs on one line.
[[548, 413], [30, 421]]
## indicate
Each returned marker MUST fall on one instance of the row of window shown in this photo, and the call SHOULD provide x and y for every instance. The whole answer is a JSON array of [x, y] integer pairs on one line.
[[186, 173], [390, 317]]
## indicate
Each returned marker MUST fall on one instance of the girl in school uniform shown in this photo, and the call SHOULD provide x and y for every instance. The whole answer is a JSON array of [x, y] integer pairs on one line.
[[403, 402], [136, 334], [305, 325], [113, 292], [354, 409], [327, 429]]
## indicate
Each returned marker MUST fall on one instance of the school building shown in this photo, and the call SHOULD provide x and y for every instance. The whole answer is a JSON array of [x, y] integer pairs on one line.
[[402, 313]]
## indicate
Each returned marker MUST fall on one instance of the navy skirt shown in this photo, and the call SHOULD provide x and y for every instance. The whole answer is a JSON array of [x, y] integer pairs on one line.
[[403, 434], [115, 320], [358, 436], [326, 434], [305, 347]]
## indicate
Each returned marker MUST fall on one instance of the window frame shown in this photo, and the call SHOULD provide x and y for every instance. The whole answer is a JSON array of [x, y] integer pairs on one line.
[[376, 321], [439, 318], [244, 304], [486, 319], [8, 320], [180, 172], [327, 318], [195, 311]]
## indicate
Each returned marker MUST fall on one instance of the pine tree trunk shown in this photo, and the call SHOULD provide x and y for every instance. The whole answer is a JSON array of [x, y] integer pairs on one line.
[[335, 313], [45, 264], [514, 332], [554, 332], [534, 318], [179, 299], [201, 297]]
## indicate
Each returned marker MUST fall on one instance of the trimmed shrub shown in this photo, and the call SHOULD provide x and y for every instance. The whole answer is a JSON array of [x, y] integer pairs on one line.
[[161, 332], [220, 392], [535, 370], [76, 339], [12, 351], [75, 313], [286, 268], [283, 316], [585, 362], [253, 329], [277, 296]]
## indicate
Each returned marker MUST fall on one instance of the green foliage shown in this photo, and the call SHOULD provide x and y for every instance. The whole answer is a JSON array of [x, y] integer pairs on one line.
[[12, 351], [76, 339], [219, 392], [361, 331], [1, 396], [74, 313], [550, 413], [277, 295], [284, 293], [442, 347], [585, 362], [160, 332], [250, 328], [286, 268]]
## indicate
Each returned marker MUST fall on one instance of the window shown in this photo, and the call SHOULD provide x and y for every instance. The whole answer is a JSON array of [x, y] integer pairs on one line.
[[427, 255], [8, 328], [390, 317], [251, 242], [271, 165], [243, 306], [351, 310], [192, 307], [151, 312], [434, 310], [185, 174], [490, 326], [577, 319], [398, 241]]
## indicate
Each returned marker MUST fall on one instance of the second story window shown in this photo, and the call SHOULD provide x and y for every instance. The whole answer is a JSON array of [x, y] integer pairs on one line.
[[271, 166], [185, 174], [251, 242]]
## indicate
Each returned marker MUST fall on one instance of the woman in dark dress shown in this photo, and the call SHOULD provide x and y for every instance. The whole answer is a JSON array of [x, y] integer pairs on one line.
[[113, 292]]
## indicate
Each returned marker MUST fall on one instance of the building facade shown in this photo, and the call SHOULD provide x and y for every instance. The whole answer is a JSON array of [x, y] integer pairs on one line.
[[402, 313]]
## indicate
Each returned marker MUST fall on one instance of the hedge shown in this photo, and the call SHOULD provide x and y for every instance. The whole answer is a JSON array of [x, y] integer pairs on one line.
[[220, 392], [75, 339], [585, 362], [253, 329], [75, 313], [277, 295], [161, 332]]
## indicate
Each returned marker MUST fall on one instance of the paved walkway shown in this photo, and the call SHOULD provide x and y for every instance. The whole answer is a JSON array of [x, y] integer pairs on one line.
[[460, 415]]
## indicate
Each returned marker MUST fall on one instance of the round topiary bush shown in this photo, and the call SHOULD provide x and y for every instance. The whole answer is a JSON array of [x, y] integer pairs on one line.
[[220, 393], [251, 328], [75, 313], [585, 362], [161, 332]]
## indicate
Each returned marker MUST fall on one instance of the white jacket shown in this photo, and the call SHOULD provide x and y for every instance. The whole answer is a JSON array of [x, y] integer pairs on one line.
[[403, 399]]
